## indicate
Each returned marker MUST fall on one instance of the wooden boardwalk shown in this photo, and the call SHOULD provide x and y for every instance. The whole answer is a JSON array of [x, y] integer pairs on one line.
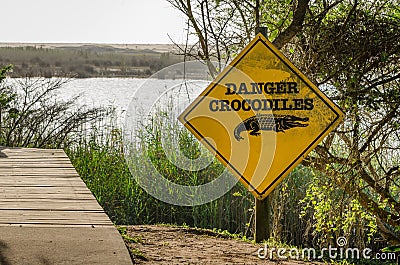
[[48, 215]]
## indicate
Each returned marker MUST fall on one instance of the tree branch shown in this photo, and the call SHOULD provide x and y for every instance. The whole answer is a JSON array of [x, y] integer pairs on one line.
[[296, 25]]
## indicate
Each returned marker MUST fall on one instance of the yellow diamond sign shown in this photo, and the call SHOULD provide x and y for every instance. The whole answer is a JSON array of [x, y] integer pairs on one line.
[[261, 116]]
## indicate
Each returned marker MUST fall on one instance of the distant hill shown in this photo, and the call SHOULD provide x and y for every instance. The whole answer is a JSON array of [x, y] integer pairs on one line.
[[87, 59], [136, 47]]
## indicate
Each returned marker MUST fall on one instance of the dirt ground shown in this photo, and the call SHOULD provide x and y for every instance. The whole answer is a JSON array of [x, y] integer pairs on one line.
[[172, 245]]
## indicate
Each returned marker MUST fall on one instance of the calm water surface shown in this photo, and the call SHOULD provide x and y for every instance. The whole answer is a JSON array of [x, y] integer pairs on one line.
[[117, 92]]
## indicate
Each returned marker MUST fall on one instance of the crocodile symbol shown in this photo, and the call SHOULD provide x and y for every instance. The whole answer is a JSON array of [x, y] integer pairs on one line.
[[268, 122]]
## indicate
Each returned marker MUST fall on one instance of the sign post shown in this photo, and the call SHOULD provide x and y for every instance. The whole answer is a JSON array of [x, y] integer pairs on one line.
[[262, 223], [261, 117], [262, 208]]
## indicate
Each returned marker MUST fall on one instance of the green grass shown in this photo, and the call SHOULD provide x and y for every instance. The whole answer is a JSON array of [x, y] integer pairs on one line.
[[138, 254], [127, 238], [129, 241], [105, 172]]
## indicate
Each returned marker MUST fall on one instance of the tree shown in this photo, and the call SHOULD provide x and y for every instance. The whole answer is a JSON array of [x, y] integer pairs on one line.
[[222, 28], [357, 52], [349, 49]]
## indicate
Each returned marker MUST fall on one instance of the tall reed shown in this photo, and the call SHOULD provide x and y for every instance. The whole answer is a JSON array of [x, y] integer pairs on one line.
[[104, 170]]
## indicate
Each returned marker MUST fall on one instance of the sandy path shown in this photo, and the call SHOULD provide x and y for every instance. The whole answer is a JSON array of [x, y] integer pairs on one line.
[[170, 245]]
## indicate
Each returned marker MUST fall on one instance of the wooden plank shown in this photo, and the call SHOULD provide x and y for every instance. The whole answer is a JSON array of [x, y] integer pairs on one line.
[[28, 156], [54, 171], [33, 166], [29, 150], [40, 174], [42, 160], [49, 204], [19, 157], [47, 196], [41, 182], [32, 162], [45, 189], [16, 154], [39, 177], [47, 201], [49, 160], [53, 217]]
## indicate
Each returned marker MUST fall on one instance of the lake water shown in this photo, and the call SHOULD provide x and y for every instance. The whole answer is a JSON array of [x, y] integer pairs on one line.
[[95, 92], [116, 92], [140, 95], [120, 92]]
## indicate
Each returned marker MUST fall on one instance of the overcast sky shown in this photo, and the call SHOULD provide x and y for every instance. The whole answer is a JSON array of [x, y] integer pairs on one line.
[[90, 21]]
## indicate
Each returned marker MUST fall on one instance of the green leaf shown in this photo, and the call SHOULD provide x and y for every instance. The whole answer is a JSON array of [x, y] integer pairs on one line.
[[391, 249]]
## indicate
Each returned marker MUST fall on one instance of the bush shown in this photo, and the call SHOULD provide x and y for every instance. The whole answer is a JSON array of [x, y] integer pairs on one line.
[[32, 116]]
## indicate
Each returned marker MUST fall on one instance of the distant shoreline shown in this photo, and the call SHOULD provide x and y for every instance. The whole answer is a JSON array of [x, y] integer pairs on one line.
[[85, 60], [153, 47]]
